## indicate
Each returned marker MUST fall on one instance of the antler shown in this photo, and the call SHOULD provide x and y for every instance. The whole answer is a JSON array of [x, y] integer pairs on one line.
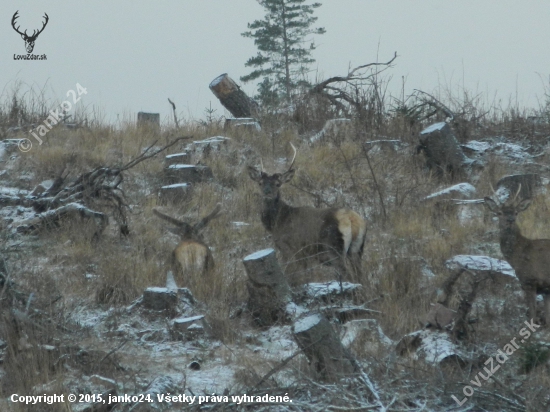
[[34, 35], [293, 158], [15, 16], [205, 220], [517, 193]]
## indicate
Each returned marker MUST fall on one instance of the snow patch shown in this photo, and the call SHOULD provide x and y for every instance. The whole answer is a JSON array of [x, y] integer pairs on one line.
[[480, 263], [306, 323], [260, 254]]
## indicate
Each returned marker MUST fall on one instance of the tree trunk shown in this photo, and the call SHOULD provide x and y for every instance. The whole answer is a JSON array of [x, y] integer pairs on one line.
[[232, 97], [316, 337], [268, 289]]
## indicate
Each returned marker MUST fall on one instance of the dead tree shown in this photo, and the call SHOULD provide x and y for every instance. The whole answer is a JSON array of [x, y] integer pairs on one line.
[[175, 115], [356, 94], [95, 189], [232, 97]]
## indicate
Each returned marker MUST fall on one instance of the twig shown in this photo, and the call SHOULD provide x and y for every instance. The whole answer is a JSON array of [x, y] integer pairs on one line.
[[175, 117]]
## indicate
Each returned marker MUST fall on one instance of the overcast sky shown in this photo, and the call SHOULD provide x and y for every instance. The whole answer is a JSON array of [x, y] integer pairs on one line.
[[132, 55]]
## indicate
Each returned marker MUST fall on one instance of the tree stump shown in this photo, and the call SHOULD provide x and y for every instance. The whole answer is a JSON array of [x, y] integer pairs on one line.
[[325, 352], [268, 289], [148, 120], [443, 153], [232, 97], [175, 192], [187, 173], [530, 183], [176, 158]]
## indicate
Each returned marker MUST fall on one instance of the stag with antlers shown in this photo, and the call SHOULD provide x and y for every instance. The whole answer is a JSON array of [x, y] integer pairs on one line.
[[29, 40], [530, 258], [192, 257], [334, 236]]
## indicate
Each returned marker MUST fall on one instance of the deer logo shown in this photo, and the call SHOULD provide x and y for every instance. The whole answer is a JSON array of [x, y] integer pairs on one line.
[[29, 40]]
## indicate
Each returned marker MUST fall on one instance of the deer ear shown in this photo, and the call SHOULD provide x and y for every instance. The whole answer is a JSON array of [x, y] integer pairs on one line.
[[491, 204], [287, 176], [524, 204], [23, 36], [254, 174]]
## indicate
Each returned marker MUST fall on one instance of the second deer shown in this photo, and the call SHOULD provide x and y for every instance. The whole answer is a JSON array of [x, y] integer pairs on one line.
[[335, 236], [530, 258], [192, 257]]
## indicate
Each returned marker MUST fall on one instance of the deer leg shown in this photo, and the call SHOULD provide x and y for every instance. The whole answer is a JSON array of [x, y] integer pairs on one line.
[[531, 298], [547, 309]]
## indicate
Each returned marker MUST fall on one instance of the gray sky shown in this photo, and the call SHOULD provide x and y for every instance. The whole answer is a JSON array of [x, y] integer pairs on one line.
[[132, 55]]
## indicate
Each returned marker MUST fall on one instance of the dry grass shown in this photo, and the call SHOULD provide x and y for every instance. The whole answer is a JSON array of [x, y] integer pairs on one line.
[[404, 235]]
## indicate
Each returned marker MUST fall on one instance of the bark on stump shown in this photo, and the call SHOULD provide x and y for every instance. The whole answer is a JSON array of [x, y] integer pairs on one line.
[[529, 184], [268, 289], [325, 352], [232, 97], [443, 153]]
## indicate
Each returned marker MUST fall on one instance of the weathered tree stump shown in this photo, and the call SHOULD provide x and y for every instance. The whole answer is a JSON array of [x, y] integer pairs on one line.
[[232, 97], [443, 153], [157, 298], [149, 120], [187, 173], [325, 352], [176, 158], [174, 192], [530, 183], [268, 289]]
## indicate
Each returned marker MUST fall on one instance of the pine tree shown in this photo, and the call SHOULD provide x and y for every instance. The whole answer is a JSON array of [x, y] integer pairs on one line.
[[283, 57]]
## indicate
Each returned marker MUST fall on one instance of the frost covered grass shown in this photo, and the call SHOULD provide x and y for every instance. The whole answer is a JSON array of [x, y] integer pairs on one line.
[[408, 243]]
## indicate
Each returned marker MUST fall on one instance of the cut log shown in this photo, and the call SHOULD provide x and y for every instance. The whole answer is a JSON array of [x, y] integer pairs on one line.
[[232, 97], [443, 153], [268, 289], [149, 120], [325, 352], [52, 217]]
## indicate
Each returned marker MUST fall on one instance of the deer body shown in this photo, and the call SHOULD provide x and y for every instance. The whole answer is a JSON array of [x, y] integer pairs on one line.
[[333, 236], [530, 258], [192, 257]]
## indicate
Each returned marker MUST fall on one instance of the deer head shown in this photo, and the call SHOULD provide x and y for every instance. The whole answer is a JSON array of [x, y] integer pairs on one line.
[[507, 212], [270, 184], [29, 40]]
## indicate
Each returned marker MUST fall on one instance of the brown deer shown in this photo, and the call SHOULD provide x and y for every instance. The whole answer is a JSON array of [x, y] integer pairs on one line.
[[29, 40], [192, 257], [334, 236], [530, 258]]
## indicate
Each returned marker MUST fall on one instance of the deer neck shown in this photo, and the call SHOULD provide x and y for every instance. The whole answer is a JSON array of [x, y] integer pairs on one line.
[[274, 211], [510, 237]]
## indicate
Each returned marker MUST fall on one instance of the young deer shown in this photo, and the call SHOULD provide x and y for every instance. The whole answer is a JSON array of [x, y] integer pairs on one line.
[[333, 235], [530, 258], [191, 257]]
